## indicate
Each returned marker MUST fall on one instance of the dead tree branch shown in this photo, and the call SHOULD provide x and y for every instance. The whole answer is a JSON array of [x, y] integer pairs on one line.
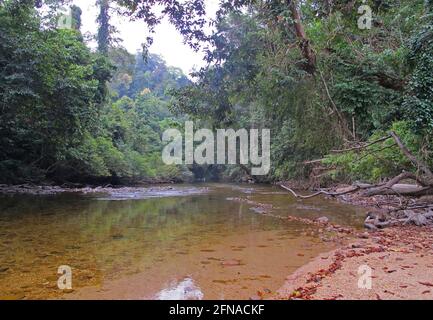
[[362, 146], [423, 186], [331, 194]]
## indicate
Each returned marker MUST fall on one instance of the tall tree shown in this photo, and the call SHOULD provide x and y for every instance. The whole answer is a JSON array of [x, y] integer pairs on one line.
[[103, 37], [304, 42], [418, 104], [49, 91], [76, 17]]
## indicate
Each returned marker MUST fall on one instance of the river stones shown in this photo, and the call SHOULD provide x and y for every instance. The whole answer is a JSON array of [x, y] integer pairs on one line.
[[364, 235], [322, 220], [231, 263], [3, 269], [117, 236]]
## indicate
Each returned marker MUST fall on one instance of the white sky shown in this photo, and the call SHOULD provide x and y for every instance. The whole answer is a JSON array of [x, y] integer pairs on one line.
[[167, 40]]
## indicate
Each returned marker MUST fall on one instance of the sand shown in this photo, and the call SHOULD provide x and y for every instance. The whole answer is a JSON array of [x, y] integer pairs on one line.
[[401, 262]]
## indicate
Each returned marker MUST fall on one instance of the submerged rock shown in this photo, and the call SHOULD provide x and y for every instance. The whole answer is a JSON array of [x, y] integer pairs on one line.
[[259, 210], [323, 220], [231, 263], [3, 269]]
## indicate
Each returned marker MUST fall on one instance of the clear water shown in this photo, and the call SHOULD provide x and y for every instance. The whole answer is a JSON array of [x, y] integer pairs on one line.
[[191, 242]]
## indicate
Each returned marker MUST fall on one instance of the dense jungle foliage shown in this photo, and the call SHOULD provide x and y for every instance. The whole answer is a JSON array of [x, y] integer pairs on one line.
[[321, 83], [304, 69], [70, 114]]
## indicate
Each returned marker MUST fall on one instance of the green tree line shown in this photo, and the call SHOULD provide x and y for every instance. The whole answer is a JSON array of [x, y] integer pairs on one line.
[[304, 69], [307, 71], [71, 114]]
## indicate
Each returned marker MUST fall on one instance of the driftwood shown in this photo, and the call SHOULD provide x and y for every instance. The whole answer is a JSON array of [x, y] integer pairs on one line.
[[423, 186], [424, 182], [402, 190], [332, 194], [416, 217], [394, 187], [407, 211]]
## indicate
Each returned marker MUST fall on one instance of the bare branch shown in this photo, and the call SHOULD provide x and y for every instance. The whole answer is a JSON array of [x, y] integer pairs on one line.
[[362, 146], [354, 189]]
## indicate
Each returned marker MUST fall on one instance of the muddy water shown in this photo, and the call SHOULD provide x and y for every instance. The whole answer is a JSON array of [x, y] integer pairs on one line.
[[191, 242]]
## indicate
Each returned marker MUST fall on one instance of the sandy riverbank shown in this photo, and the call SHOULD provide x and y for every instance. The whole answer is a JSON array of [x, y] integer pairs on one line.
[[400, 258]]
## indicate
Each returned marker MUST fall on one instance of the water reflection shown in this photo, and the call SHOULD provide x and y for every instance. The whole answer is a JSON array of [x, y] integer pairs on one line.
[[162, 239]]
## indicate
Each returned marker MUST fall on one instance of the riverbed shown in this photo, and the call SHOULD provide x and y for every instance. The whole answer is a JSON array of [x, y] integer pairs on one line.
[[175, 242]]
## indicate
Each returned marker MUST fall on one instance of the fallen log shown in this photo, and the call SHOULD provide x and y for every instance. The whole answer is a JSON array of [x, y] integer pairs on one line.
[[416, 218], [424, 181], [393, 187], [400, 190]]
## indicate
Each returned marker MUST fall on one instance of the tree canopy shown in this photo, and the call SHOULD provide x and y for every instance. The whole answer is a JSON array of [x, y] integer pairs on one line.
[[304, 69]]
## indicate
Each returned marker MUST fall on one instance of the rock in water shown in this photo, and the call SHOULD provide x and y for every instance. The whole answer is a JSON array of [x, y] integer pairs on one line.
[[323, 220], [231, 263]]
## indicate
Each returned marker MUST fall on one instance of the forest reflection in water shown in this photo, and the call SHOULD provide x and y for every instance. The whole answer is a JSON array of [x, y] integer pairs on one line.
[[125, 246]]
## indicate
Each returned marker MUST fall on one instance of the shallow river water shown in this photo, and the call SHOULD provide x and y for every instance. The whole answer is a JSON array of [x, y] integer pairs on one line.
[[185, 242]]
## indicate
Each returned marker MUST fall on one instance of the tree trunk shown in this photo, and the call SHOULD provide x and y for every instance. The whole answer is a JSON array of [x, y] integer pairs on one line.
[[104, 26], [304, 42], [400, 190], [416, 162]]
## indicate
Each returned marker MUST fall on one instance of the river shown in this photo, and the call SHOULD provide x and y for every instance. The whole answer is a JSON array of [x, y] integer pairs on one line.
[[180, 242]]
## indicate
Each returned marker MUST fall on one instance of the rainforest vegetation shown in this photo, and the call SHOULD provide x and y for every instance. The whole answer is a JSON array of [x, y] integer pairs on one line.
[[344, 103]]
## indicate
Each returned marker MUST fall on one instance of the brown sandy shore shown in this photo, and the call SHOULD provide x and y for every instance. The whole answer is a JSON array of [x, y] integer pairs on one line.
[[400, 258]]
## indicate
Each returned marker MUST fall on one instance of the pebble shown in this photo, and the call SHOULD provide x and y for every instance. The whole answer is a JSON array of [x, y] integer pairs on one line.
[[364, 235], [231, 263], [3, 269], [323, 220]]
